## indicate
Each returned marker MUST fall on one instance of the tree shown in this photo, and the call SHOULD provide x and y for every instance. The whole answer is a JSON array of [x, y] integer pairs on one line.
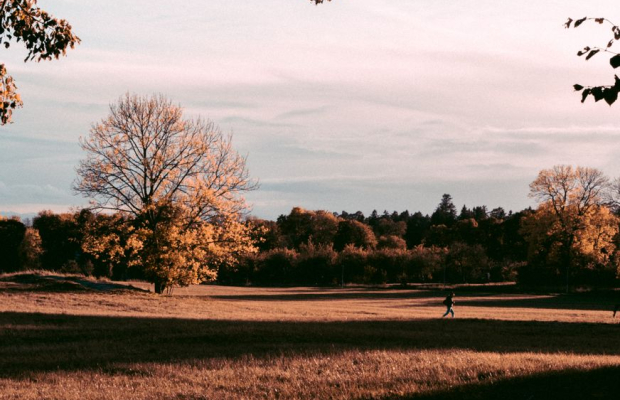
[[30, 250], [391, 242], [609, 93], [386, 226], [498, 213], [417, 228], [355, 233], [60, 238], [303, 226], [178, 181], [44, 36], [266, 234], [480, 213], [445, 213], [107, 239], [12, 233], [464, 262], [571, 207], [466, 213]]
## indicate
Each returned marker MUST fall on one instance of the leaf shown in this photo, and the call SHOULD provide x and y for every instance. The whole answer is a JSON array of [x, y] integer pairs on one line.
[[577, 87], [597, 92], [611, 95], [584, 51], [615, 61], [599, 20], [610, 43], [567, 23], [584, 95], [580, 21], [592, 53]]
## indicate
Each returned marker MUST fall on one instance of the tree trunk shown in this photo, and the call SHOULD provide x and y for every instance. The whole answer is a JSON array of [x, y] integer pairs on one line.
[[568, 259], [159, 286]]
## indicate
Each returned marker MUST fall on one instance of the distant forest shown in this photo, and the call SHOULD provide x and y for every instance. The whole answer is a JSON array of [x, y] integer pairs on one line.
[[321, 248]]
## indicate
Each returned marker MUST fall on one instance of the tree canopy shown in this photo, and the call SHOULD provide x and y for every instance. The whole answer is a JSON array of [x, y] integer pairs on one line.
[[572, 226], [44, 36], [178, 181]]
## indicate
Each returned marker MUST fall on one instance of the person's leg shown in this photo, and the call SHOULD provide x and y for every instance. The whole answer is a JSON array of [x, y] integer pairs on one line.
[[447, 312], [452, 312]]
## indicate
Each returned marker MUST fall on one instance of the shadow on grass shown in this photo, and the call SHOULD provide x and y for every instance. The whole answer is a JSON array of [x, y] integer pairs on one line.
[[599, 383], [35, 282], [555, 302], [587, 301], [31, 343]]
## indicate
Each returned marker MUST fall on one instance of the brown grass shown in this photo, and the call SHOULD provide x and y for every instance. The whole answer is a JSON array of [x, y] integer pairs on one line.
[[64, 338]]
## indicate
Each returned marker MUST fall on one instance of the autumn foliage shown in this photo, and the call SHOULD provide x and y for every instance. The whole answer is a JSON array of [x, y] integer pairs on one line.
[[569, 240], [176, 186], [45, 38]]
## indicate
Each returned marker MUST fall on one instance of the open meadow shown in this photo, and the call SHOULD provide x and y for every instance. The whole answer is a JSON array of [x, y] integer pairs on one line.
[[71, 338]]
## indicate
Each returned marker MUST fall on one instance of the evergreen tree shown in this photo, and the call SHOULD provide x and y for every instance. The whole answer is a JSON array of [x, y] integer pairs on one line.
[[445, 213]]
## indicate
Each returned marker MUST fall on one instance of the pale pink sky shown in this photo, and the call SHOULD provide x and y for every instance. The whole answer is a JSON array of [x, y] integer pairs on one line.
[[351, 105]]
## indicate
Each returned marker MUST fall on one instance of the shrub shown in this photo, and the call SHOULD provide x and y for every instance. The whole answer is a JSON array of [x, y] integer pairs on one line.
[[316, 265], [275, 267], [351, 262]]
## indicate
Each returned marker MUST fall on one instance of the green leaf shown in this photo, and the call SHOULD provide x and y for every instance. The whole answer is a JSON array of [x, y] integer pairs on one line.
[[615, 61], [577, 87]]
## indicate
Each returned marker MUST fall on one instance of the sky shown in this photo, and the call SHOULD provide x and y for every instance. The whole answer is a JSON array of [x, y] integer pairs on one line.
[[349, 105]]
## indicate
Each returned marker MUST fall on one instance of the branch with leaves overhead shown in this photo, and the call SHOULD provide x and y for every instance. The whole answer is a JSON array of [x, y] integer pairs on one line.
[[609, 93], [45, 37]]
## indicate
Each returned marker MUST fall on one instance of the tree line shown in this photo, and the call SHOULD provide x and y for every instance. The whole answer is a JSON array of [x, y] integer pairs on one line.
[[570, 239]]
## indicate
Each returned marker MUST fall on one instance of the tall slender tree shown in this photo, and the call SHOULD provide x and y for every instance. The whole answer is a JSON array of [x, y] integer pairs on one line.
[[445, 213]]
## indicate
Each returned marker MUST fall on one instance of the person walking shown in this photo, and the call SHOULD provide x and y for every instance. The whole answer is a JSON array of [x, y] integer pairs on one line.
[[449, 303]]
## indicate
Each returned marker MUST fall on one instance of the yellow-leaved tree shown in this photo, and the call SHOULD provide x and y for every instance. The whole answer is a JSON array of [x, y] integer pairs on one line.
[[572, 227], [178, 185]]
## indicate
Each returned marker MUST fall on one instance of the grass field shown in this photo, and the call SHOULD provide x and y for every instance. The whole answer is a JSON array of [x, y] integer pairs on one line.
[[70, 338]]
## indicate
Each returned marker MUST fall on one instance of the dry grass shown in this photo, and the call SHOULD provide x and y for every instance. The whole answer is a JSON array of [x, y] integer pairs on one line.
[[64, 338]]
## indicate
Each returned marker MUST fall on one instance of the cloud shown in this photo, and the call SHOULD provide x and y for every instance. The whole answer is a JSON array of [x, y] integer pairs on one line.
[[303, 112], [358, 105], [33, 198]]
